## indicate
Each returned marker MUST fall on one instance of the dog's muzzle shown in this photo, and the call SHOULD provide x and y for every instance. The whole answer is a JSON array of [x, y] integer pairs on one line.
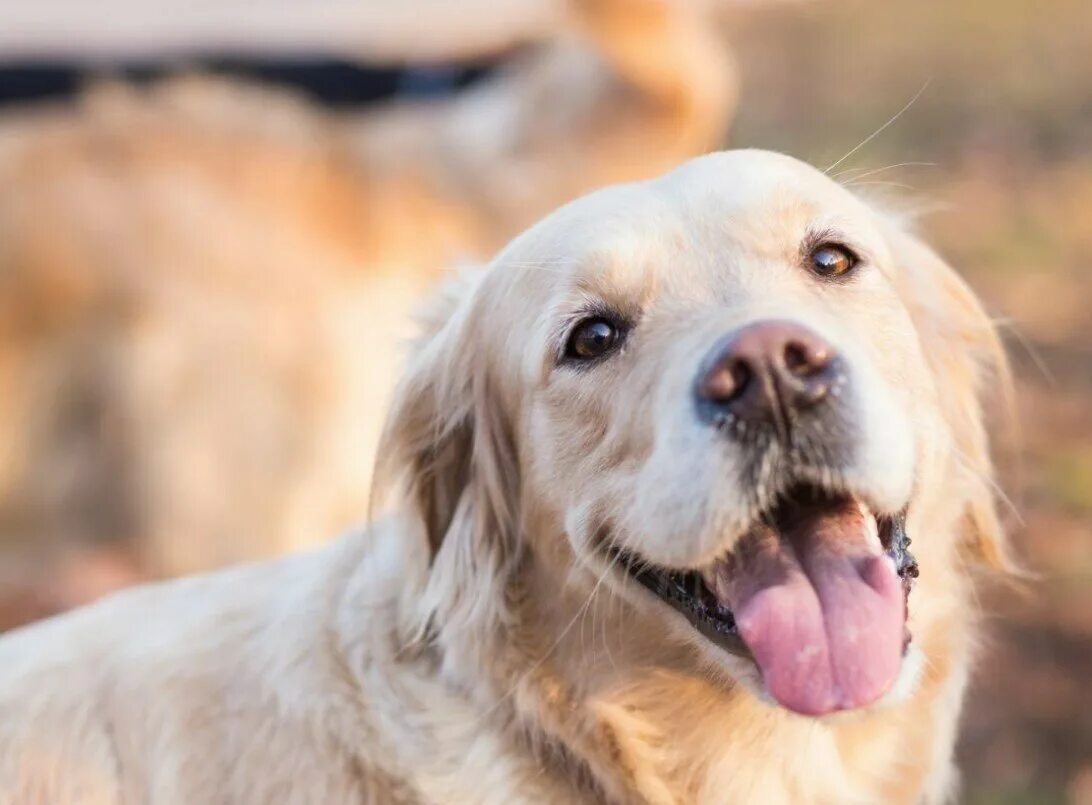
[[769, 375]]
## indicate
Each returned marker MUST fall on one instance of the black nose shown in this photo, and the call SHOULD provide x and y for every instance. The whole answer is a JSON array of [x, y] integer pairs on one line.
[[766, 372]]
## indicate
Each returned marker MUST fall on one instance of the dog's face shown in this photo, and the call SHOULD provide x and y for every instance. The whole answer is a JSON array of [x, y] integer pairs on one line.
[[714, 385]]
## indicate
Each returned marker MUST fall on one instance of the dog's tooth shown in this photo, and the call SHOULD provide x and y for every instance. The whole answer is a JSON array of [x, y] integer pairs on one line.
[[709, 578], [872, 530], [716, 581]]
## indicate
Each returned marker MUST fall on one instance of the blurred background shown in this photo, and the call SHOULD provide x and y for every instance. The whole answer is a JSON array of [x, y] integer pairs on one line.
[[216, 219]]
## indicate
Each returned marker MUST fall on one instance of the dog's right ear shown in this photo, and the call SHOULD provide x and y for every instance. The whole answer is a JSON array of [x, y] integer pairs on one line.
[[446, 458], [962, 346]]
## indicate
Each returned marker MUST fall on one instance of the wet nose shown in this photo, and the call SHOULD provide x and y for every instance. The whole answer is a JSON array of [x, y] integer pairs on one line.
[[768, 371]]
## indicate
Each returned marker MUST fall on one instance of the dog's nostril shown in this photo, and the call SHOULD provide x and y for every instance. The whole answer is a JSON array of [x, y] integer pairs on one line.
[[803, 360], [727, 382], [796, 359], [741, 375]]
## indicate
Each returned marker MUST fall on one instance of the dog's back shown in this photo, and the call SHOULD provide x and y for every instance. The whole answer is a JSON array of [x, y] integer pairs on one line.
[[217, 688], [272, 682]]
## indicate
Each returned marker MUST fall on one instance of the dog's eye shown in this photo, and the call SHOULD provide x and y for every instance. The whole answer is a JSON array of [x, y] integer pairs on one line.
[[832, 260], [592, 338]]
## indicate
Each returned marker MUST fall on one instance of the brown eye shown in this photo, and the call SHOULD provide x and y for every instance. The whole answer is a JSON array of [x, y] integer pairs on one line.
[[592, 338], [832, 260]]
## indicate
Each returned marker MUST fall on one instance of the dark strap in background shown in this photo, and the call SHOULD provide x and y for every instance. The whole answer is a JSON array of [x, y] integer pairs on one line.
[[335, 83]]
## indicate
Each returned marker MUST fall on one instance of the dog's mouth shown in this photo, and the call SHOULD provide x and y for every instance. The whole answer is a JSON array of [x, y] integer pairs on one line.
[[815, 593]]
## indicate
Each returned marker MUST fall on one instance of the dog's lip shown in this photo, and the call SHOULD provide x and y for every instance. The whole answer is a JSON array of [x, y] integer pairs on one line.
[[687, 593], [687, 590]]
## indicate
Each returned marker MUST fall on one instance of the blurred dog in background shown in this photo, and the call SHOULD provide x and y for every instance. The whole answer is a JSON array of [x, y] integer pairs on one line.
[[204, 281]]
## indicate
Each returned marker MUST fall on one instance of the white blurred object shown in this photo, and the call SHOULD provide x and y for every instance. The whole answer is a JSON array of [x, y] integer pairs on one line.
[[369, 30]]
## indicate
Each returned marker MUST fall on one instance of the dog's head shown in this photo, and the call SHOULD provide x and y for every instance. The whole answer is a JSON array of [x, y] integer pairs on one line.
[[723, 394]]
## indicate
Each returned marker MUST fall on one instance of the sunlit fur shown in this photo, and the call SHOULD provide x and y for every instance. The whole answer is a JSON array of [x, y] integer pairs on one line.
[[474, 645]]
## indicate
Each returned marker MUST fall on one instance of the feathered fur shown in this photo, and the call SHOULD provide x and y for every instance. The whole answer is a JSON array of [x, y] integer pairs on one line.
[[470, 646]]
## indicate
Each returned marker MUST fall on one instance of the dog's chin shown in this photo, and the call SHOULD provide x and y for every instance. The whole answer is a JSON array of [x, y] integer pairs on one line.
[[807, 607]]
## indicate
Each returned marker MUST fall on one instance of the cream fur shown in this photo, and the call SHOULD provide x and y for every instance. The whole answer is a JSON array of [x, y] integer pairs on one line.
[[470, 646]]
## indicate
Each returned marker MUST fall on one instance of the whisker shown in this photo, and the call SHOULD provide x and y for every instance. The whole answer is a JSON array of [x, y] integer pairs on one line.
[[878, 131], [1032, 351], [580, 614], [863, 172], [965, 463], [903, 185]]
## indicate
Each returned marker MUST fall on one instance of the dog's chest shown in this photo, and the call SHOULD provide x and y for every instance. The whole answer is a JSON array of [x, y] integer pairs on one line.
[[762, 755]]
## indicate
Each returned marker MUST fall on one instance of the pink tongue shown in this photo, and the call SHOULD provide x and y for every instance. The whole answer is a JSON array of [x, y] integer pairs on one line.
[[820, 607]]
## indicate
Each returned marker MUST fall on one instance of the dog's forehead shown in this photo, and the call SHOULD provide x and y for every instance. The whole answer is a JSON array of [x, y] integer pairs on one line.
[[745, 178], [754, 198], [749, 203]]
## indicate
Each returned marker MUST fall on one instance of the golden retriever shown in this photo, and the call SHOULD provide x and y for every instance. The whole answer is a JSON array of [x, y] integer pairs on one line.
[[648, 488]]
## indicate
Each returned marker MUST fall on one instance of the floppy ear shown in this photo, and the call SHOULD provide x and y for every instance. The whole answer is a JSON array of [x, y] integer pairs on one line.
[[446, 459], [961, 346]]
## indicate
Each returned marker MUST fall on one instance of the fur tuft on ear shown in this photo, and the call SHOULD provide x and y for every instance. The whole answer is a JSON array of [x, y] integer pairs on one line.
[[446, 458], [962, 346]]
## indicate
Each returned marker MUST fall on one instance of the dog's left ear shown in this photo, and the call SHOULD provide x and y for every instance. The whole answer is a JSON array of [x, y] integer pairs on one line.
[[447, 459], [961, 346]]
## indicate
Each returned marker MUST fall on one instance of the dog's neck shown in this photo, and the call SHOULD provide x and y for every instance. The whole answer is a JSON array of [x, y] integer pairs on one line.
[[610, 708], [605, 699]]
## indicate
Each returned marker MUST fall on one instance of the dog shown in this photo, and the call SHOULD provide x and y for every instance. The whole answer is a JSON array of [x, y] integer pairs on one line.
[[678, 501]]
